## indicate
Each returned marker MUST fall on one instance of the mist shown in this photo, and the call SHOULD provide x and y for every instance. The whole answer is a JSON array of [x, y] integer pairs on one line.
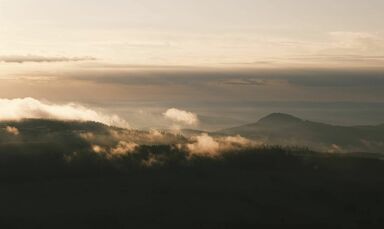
[[29, 108]]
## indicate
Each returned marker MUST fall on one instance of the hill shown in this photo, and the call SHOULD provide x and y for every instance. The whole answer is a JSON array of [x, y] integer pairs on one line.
[[36, 135], [287, 130]]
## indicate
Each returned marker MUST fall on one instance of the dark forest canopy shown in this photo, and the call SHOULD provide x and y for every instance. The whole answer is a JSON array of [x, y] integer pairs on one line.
[[66, 183]]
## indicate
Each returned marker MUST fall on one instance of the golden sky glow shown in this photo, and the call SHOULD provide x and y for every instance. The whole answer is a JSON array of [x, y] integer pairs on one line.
[[191, 32], [189, 52]]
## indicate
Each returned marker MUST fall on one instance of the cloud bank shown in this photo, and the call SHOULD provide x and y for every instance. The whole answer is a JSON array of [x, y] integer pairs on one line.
[[181, 116], [41, 59], [29, 108]]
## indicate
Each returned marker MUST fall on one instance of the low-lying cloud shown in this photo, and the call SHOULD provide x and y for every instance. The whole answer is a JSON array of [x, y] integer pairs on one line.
[[206, 145], [121, 149], [29, 108], [12, 130], [181, 116], [42, 59]]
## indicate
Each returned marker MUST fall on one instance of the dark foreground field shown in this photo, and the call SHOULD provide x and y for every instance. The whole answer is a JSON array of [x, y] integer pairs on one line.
[[160, 187]]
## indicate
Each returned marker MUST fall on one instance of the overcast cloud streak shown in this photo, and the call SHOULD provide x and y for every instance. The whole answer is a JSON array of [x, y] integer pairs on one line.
[[41, 59]]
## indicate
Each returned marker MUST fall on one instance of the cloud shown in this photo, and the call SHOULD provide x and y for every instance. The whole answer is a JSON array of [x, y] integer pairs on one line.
[[356, 43], [29, 108], [123, 148], [12, 130], [152, 160], [213, 146], [218, 79], [98, 149], [41, 59], [232, 142], [246, 82], [181, 116], [337, 78], [334, 148], [204, 144]]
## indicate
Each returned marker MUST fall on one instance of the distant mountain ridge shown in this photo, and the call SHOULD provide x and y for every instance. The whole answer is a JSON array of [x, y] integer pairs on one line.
[[60, 135], [287, 130], [280, 118], [274, 129]]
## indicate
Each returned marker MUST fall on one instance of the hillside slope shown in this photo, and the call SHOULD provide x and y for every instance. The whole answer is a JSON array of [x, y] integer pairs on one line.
[[287, 130]]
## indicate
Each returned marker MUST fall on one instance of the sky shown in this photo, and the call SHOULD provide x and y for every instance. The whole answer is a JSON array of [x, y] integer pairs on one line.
[[228, 61]]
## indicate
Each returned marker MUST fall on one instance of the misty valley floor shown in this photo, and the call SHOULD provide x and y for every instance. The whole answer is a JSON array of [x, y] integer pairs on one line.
[[269, 188]]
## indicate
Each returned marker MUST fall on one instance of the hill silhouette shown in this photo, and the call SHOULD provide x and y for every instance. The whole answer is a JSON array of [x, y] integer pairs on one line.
[[279, 118], [288, 130]]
